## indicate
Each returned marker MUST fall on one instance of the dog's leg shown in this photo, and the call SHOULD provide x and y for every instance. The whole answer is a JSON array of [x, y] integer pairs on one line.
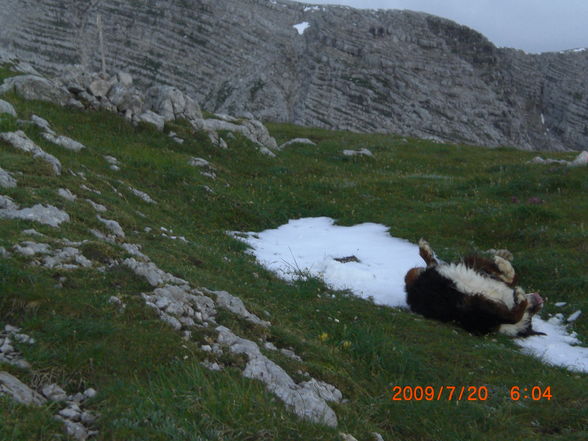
[[427, 254], [507, 272]]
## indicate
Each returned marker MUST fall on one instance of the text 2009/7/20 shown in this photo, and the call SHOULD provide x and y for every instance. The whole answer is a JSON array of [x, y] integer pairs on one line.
[[440, 393]]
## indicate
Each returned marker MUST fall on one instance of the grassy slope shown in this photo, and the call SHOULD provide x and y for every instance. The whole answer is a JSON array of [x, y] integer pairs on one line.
[[150, 383]]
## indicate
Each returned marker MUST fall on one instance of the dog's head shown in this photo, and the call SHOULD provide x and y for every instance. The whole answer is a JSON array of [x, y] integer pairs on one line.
[[524, 327]]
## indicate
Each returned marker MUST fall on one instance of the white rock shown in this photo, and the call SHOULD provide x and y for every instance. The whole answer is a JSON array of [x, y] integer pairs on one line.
[[213, 366], [153, 118], [44, 214], [66, 194], [111, 160], [135, 250], [142, 195], [98, 207], [304, 400], [199, 162], [236, 306], [581, 159], [29, 248], [42, 123], [76, 430], [152, 273], [6, 203], [99, 87], [20, 392], [54, 393], [32, 232], [34, 87], [296, 141], [6, 179], [360, 152], [125, 79], [90, 392], [112, 225], [6, 107], [64, 141], [88, 417], [21, 141], [291, 354]]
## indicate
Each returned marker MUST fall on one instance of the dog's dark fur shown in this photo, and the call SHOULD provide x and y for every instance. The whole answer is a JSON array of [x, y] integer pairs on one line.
[[479, 294]]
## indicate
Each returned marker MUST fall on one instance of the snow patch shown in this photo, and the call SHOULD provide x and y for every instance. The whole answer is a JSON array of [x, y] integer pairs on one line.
[[558, 347], [309, 247], [301, 27], [366, 260]]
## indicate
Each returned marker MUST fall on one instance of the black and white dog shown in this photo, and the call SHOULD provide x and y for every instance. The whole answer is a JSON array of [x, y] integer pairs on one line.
[[478, 293]]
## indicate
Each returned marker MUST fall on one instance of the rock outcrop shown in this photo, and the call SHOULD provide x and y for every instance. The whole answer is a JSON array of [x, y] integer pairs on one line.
[[385, 71]]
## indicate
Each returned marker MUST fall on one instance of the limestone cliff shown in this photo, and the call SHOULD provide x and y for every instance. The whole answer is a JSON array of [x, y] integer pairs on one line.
[[384, 71]]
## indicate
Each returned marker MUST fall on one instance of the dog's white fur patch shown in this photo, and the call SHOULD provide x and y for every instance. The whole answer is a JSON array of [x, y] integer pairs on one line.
[[470, 282]]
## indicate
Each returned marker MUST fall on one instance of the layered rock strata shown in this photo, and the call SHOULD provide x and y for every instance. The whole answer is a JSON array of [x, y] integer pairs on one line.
[[333, 67]]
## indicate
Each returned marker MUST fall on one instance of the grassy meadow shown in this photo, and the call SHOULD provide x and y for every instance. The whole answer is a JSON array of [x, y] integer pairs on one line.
[[150, 383]]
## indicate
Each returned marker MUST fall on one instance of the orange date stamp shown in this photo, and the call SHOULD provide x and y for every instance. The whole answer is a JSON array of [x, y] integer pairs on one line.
[[466, 393], [440, 393]]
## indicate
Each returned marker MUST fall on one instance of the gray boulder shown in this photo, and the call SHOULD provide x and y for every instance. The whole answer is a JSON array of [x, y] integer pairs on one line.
[[127, 100], [33, 87], [124, 79], [236, 306], [152, 118], [253, 130], [6, 107], [303, 399], [6, 179], [99, 87], [21, 141], [296, 141], [171, 103], [44, 214], [64, 141], [20, 392]]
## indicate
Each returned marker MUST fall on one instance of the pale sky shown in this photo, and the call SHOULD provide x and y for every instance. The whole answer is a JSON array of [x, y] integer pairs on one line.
[[531, 25]]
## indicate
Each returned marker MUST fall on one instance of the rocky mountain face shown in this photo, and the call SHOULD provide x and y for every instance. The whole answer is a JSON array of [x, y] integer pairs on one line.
[[373, 71]]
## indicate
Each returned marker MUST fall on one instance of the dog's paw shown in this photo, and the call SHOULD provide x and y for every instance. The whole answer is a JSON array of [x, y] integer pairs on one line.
[[507, 272], [505, 254], [427, 253]]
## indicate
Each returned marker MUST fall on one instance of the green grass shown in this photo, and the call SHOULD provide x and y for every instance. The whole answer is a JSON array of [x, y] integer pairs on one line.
[[150, 383]]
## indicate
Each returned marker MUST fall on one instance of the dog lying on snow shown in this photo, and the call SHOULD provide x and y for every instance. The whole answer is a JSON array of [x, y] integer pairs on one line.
[[478, 293]]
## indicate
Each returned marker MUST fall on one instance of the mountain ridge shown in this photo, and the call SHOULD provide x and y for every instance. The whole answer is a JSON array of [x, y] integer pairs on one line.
[[361, 70]]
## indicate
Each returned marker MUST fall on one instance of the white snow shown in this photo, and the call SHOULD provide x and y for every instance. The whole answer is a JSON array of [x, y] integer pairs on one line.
[[301, 27], [557, 347], [575, 316], [308, 247]]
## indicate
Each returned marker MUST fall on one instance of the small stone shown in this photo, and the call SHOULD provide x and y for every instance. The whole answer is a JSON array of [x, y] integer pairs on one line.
[[6, 107], [113, 226], [76, 430], [90, 392], [66, 194], [88, 418], [360, 152], [54, 393], [6, 179]]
